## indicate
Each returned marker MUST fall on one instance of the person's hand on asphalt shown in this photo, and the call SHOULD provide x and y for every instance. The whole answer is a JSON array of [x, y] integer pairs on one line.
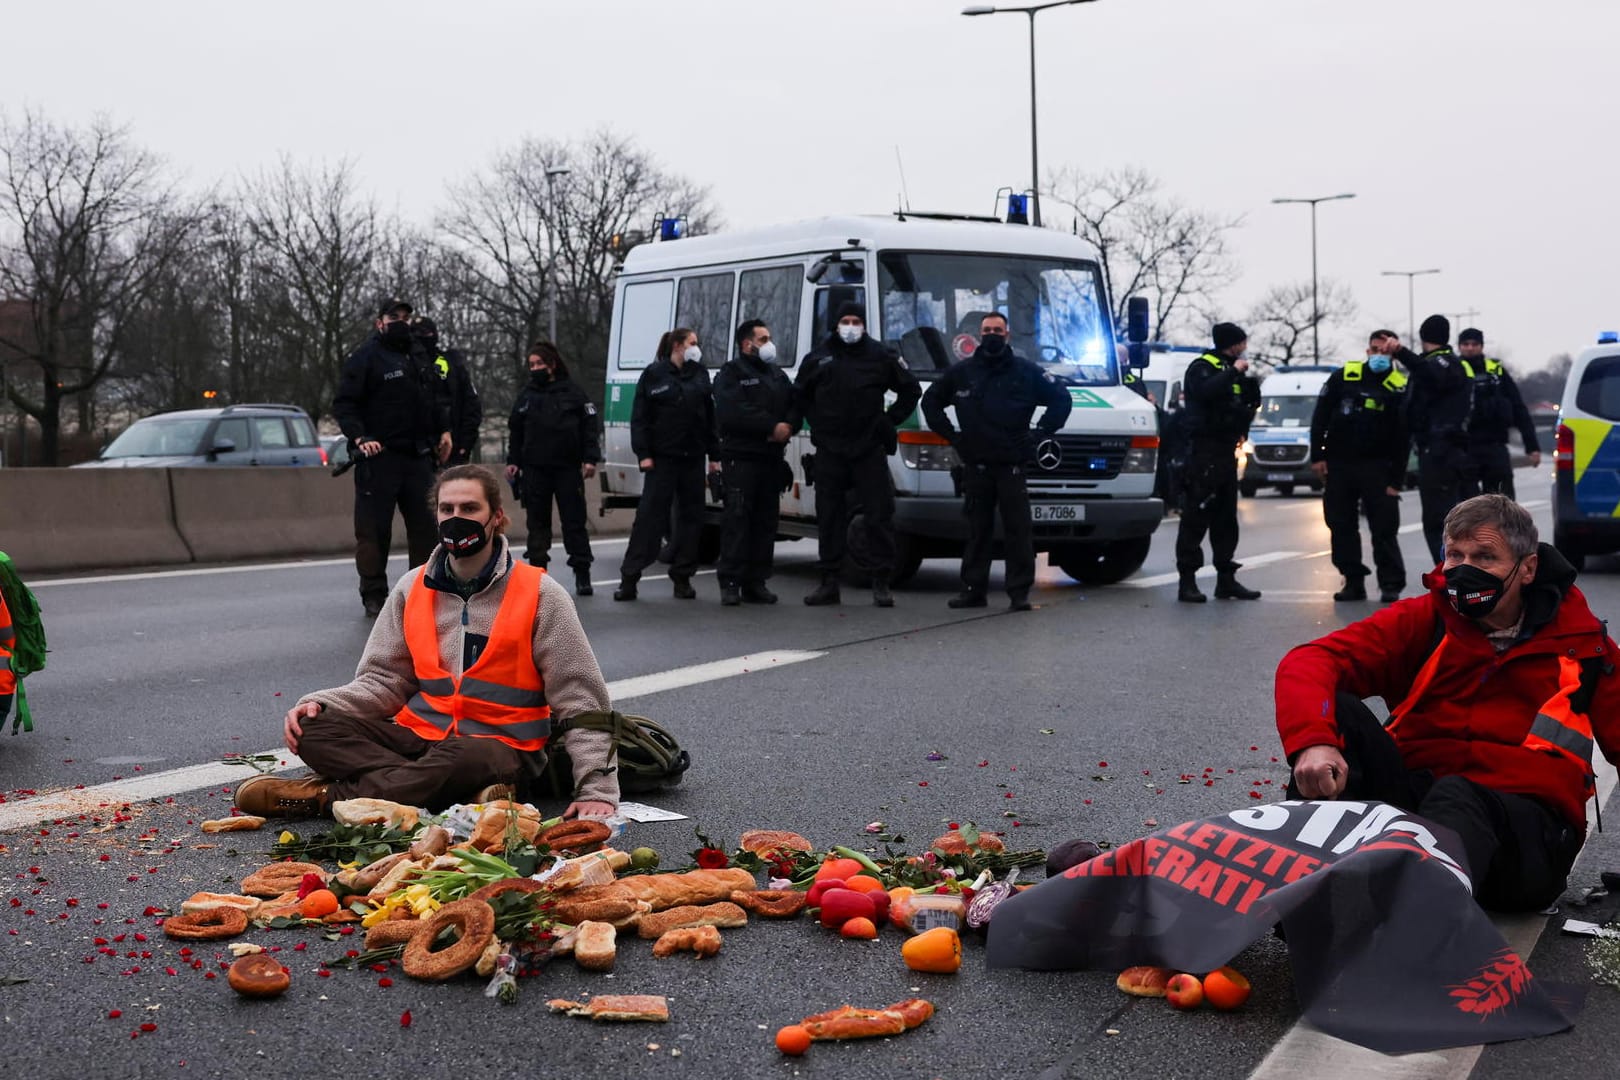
[[1320, 772], [589, 808], [1319, 468], [291, 728]]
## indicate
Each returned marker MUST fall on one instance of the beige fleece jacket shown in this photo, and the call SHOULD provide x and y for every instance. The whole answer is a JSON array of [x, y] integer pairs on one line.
[[385, 679]]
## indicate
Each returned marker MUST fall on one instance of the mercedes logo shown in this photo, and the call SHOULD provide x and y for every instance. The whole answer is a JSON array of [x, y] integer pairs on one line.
[[1048, 454]]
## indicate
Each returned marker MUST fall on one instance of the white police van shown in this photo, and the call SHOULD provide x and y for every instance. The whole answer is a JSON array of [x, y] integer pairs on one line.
[[1586, 464], [926, 281], [1277, 453]]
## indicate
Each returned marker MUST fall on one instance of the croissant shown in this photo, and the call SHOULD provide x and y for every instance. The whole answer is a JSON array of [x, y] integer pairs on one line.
[[702, 940]]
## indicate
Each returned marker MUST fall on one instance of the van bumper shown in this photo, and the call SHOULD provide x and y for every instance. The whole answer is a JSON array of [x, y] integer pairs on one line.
[[1105, 519]]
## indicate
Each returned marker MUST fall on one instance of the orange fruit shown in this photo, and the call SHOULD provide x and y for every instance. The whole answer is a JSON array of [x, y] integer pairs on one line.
[[938, 950], [864, 929], [1184, 991], [863, 883], [793, 1040], [1226, 988], [318, 904]]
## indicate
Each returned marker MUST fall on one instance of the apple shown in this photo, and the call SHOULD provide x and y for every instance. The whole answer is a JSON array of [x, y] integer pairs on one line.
[[1184, 991]]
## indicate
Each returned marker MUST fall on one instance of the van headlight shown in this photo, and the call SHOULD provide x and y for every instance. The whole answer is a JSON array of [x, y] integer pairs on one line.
[[926, 450], [1143, 456]]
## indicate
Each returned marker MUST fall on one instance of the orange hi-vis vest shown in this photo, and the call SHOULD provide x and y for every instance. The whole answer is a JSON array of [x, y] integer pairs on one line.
[[502, 696]]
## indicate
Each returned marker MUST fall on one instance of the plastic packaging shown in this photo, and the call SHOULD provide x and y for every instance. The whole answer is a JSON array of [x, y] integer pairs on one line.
[[921, 912]]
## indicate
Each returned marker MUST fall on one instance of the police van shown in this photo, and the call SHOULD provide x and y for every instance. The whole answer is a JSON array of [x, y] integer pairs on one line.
[[1586, 464], [926, 281], [1277, 453]]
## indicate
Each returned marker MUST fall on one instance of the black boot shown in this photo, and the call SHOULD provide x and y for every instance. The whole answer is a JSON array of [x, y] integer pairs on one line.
[[1190, 593], [1355, 588], [1019, 601], [825, 593], [683, 588], [582, 583], [881, 596], [626, 589], [755, 592], [730, 596], [1227, 587], [967, 598]]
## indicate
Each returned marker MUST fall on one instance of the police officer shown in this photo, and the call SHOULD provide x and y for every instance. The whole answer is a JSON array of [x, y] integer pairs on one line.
[[995, 392], [840, 391], [391, 406], [1498, 405], [1358, 447], [1221, 399], [1440, 399], [753, 399], [466, 410], [553, 449], [671, 430]]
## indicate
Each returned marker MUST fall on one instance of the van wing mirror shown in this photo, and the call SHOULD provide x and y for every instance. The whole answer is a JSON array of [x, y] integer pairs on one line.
[[819, 268], [1136, 319]]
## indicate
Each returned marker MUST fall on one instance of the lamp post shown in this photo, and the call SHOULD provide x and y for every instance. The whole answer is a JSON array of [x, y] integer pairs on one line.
[[1411, 315], [551, 200], [1034, 139], [1316, 311]]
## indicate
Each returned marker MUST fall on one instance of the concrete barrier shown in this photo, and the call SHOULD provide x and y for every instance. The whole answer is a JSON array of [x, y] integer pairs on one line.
[[252, 513], [72, 519]]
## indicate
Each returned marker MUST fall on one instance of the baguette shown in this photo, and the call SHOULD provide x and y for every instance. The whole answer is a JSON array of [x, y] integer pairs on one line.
[[694, 887], [240, 823], [596, 903], [595, 946], [616, 1007], [208, 901], [724, 914]]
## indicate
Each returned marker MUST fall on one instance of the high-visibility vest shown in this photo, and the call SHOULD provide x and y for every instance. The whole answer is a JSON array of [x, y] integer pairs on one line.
[[1560, 728], [502, 696]]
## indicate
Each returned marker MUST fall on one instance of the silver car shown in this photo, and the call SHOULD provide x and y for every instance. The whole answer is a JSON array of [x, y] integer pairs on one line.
[[236, 435]]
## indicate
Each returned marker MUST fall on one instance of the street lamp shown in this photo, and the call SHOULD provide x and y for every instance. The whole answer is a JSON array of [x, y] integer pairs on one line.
[[1034, 143], [551, 200], [1411, 317], [1316, 312]]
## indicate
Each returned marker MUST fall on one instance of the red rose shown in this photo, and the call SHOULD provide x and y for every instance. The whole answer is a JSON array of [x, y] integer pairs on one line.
[[712, 859]]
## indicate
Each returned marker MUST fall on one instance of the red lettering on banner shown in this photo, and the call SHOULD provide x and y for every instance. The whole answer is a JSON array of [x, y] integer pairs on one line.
[[1202, 836], [1129, 861], [1153, 849], [1179, 832], [1250, 855], [1174, 864], [1255, 891], [1228, 842], [1279, 855], [1205, 876], [1230, 881], [1304, 866]]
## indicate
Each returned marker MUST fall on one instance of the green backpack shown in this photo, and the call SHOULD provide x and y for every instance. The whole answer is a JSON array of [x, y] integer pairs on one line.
[[28, 651], [649, 758]]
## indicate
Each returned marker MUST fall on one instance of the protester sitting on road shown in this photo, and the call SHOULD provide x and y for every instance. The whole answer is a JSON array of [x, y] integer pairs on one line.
[[475, 635], [8, 642], [1499, 680]]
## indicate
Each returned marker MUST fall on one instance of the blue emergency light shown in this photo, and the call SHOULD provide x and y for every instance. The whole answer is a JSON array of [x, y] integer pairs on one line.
[[670, 228], [1608, 337], [1017, 209]]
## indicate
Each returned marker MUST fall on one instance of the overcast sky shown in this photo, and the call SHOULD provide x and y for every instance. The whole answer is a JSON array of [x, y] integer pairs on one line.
[[1478, 135]]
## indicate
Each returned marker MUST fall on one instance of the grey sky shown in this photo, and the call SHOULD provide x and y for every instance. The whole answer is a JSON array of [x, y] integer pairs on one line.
[[1477, 134]]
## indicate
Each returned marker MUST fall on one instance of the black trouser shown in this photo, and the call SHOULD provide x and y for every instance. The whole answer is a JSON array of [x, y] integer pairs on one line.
[[382, 483], [541, 484], [869, 476], [1490, 469], [671, 481], [1442, 484], [1519, 850], [1209, 504], [986, 491], [748, 523], [1356, 487]]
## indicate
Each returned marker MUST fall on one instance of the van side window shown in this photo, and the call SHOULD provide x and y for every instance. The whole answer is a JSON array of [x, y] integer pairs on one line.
[[828, 301], [704, 304], [1599, 392], [773, 296], [642, 322]]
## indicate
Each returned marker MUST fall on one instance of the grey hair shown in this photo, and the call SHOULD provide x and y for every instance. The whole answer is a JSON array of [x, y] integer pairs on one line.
[[1494, 512]]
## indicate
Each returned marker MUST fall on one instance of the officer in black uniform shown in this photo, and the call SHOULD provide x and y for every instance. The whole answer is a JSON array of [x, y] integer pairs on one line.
[[1221, 401], [553, 449], [995, 392], [1439, 401], [753, 399], [1498, 405], [671, 431], [392, 408], [466, 410], [840, 391], [1358, 447]]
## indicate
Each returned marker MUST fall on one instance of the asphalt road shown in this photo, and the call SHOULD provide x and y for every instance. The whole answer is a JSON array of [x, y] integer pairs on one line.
[[155, 673]]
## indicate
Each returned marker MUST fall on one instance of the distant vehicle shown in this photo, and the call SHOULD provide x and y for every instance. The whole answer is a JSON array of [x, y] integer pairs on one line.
[[1277, 452], [1586, 469], [236, 435], [337, 453]]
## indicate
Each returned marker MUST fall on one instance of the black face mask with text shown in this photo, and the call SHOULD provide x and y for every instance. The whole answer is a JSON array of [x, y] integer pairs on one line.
[[463, 537], [1474, 592]]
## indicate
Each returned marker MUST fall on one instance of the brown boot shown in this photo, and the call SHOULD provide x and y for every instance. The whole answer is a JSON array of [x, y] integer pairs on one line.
[[495, 792], [277, 797]]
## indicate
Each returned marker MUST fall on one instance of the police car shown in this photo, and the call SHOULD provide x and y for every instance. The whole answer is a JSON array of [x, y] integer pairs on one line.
[[1586, 474], [1277, 453]]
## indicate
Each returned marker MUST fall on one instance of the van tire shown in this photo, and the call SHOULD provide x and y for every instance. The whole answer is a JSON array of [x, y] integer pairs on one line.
[[1104, 563], [1286, 490], [1248, 489]]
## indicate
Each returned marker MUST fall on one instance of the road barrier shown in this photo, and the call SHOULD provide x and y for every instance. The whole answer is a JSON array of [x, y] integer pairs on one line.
[[91, 519]]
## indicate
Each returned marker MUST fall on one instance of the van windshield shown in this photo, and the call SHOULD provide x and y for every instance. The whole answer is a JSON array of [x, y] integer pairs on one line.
[[1291, 411], [932, 303]]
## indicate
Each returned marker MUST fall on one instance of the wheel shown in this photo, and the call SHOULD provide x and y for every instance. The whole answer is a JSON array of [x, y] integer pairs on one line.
[[1248, 488], [907, 558], [1286, 490], [1102, 564]]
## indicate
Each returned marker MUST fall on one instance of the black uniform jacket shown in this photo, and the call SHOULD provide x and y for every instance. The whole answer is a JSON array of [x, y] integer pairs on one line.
[[392, 397], [995, 398], [673, 413], [840, 391], [553, 424], [750, 398]]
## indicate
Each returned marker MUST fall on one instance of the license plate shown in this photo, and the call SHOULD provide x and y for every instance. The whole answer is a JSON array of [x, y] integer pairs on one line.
[[1057, 512], [1279, 476]]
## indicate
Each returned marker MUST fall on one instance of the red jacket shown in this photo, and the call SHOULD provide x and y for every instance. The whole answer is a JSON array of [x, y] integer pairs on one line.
[[1473, 717]]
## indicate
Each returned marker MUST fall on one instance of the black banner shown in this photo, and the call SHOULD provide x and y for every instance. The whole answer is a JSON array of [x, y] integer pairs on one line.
[[1388, 947]]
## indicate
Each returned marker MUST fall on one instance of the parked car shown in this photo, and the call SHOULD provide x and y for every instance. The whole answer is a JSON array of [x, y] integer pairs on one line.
[[234, 435], [1586, 464], [338, 453]]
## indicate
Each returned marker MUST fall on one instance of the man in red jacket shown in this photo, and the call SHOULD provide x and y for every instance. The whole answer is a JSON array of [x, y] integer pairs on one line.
[[1498, 681]]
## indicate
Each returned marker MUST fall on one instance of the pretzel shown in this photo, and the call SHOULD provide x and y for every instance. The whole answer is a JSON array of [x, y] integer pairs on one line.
[[771, 903], [476, 921], [281, 877], [577, 835], [210, 925]]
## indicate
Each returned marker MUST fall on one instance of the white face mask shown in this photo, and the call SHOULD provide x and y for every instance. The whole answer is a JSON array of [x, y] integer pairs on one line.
[[767, 353], [850, 334], [692, 355]]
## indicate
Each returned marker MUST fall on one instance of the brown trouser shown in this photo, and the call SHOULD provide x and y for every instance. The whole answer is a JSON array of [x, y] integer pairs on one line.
[[379, 759]]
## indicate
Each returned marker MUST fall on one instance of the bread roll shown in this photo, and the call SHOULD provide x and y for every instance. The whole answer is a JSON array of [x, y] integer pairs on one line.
[[701, 940], [207, 901], [1144, 981], [240, 823], [595, 946]]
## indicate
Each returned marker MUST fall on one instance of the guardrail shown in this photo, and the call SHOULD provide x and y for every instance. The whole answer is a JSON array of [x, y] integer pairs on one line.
[[92, 519]]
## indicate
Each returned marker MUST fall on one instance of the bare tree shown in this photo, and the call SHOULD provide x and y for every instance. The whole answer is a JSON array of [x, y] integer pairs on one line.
[[88, 227], [1150, 244], [1280, 322]]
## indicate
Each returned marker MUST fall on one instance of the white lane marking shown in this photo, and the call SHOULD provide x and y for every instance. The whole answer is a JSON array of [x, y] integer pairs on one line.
[[70, 802], [1153, 581], [1308, 1051], [652, 577]]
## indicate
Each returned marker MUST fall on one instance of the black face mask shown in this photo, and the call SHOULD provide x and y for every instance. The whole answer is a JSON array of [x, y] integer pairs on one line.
[[993, 344], [1474, 592], [463, 537], [539, 376], [397, 336]]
